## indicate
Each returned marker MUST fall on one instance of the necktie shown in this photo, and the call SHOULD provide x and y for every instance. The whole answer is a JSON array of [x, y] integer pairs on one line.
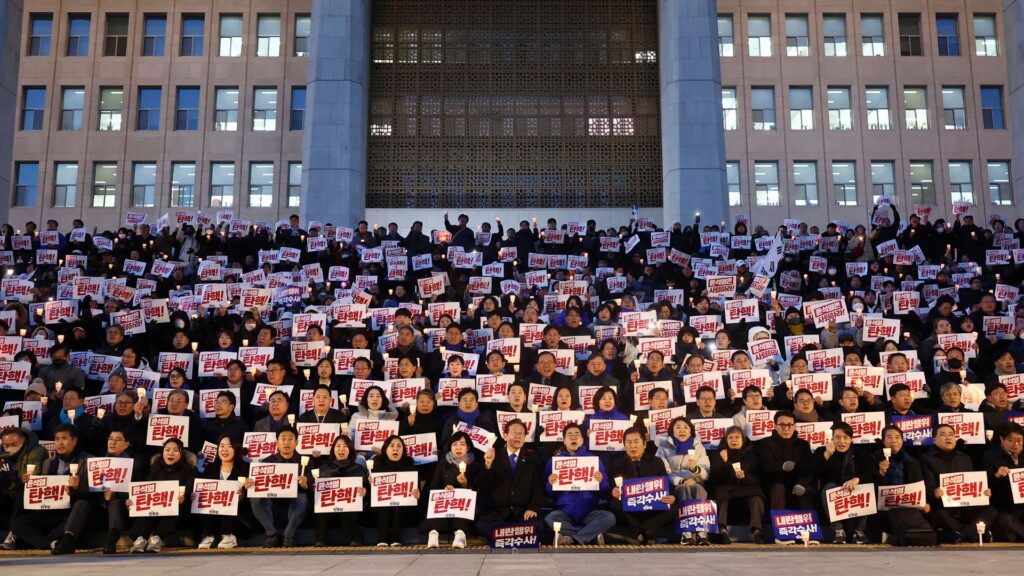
[[512, 462]]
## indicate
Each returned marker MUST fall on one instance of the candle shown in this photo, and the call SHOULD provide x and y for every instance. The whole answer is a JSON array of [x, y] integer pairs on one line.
[[369, 465], [60, 338], [632, 418], [43, 400], [618, 481], [241, 482], [316, 473], [306, 373], [637, 363], [736, 467], [980, 525], [245, 341], [181, 491], [805, 535], [71, 415], [195, 346], [291, 419], [344, 428], [343, 399], [23, 332], [73, 467], [887, 452], [462, 467], [100, 413], [30, 469], [140, 392], [534, 407], [58, 385], [305, 461]]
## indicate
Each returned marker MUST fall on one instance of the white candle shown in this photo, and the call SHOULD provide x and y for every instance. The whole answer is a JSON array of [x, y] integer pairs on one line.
[[887, 452], [306, 373], [981, 533], [101, 412], [736, 467], [140, 392], [369, 465], [181, 491], [291, 419], [195, 346], [58, 385], [618, 481], [245, 341], [343, 399], [71, 415], [462, 467], [73, 467], [534, 407], [30, 469], [316, 473], [805, 535]]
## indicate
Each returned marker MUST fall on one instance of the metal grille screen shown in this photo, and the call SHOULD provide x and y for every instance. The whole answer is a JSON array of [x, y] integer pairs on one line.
[[514, 104]]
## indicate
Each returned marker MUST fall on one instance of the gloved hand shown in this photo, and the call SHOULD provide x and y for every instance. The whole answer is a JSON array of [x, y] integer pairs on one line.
[[799, 490], [788, 465]]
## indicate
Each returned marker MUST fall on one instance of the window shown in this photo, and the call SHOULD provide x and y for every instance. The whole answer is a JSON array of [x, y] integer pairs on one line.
[[298, 116], [985, 43], [302, 32], [801, 108], [294, 184], [762, 102], [227, 110], [910, 35], [835, 35], [40, 34], [725, 36], [946, 33], [840, 115], [1000, 190], [65, 184], [222, 185], [766, 183], [730, 112], [732, 176], [922, 185], [844, 183], [960, 187], [883, 180], [149, 108], [231, 35], [33, 107], [268, 31], [915, 102], [26, 184], [154, 35], [264, 109], [186, 115], [192, 31], [72, 108], [759, 35], [78, 34], [797, 43], [953, 108], [111, 101], [104, 185], [261, 185], [115, 43], [992, 107], [805, 183], [183, 183], [877, 98], [872, 35], [144, 185]]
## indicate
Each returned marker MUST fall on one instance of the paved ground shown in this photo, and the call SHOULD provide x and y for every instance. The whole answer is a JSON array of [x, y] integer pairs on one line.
[[579, 562]]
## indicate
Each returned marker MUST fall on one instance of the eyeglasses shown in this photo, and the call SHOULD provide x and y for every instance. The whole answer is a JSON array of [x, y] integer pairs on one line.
[[785, 425]]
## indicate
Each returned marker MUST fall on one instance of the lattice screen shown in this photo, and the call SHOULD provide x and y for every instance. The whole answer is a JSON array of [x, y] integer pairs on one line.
[[514, 103]]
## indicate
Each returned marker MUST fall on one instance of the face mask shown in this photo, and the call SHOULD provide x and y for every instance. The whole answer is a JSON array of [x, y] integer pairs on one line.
[[179, 323], [940, 229], [793, 321], [858, 307], [954, 363], [250, 326], [121, 236]]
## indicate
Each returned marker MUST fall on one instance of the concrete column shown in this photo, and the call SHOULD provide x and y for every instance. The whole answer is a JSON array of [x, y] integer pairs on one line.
[[692, 136], [10, 54], [1013, 29], [335, 139]]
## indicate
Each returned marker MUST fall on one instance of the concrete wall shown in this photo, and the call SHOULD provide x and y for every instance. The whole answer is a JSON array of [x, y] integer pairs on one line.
[[334, 147], [10, 44], [693, 147], [1013, 19]]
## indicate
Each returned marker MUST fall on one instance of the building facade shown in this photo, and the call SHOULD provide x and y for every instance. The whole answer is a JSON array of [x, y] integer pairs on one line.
[[396, 110]]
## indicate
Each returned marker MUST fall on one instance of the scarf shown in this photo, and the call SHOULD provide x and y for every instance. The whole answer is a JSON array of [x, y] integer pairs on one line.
[[451, 459], [468, 417], [683, 447], [64, 414]]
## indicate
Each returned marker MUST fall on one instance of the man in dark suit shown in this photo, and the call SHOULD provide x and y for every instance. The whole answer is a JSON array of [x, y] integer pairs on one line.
[[511, 482]]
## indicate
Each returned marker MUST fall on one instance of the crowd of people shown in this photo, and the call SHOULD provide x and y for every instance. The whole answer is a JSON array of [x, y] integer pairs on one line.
[[214, 379]]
